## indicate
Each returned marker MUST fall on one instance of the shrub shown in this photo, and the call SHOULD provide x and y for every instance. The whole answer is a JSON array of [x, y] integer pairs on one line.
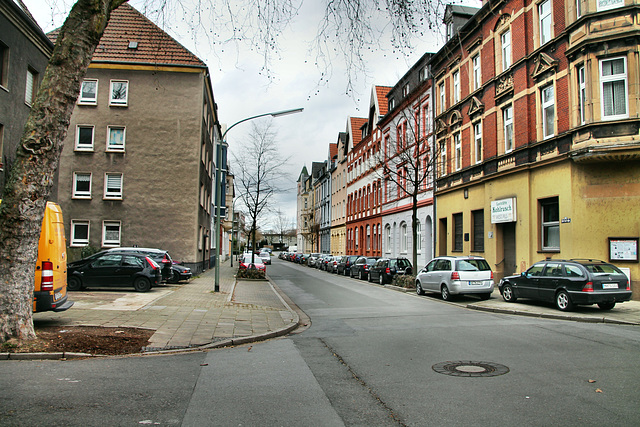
[[251, 273], [404, 281]]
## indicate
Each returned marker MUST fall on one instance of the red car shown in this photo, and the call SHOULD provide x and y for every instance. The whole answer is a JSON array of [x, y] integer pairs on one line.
[[257, 263]]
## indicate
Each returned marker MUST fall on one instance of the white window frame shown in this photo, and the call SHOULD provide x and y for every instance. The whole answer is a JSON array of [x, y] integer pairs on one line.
[[443, 158], [547, 101], [477, 139], [31, 87], [387, 232], [75, 241], [116, 147], [609, 4], [403, 238], [118, 102], [578, 8], [544, 21], [111, 243], [111, 178], [81, 194], [546, 225], [507, 120], [85, 100], [477, 72], [456, 87], [607, 80], [582, 93], [419, 237], [505, 46], [443, 97], [457, 144], [85, 147]]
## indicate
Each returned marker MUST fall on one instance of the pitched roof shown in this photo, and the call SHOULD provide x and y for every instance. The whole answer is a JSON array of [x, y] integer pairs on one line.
[[333, 150], [381, 94], [127, 27]]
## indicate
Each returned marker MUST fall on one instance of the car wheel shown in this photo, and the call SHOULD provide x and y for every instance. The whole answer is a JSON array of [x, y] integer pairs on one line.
[[360, 275], [369, 278], [507, 294], [563, 302], [446, 296], [485, 297], [606, 305], [142, 284], [74, 284], [381, 280], [419, 289], [346, 273]]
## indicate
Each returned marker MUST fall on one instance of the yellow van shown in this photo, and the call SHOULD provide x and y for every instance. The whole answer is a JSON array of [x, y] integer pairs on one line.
[[50, 291]]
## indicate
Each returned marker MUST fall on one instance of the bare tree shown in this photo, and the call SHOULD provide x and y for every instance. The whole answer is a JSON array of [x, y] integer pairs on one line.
[[260, 174], [283, 224], [259, 22], [408, 164]]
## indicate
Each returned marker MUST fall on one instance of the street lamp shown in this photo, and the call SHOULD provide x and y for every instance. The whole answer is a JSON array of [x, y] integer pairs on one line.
[[217, 184]]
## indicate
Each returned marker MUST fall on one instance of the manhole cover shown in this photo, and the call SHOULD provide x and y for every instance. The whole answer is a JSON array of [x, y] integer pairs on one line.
[[467, 368]]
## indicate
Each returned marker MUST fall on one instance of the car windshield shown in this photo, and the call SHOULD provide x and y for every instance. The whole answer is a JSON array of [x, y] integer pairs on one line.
[[247, 259], [603, 269], [472, 265]]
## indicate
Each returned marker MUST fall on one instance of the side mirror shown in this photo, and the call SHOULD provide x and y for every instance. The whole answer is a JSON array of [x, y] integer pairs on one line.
[[523, 274]]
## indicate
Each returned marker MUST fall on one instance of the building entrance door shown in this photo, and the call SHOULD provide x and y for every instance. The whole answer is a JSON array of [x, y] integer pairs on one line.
[[509, 244]]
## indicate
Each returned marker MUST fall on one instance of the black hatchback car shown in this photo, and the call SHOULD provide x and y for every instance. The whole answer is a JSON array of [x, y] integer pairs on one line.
[[345, 263], [114, 269], [161, 257], [385, 268], [360, 268], [569, 283]]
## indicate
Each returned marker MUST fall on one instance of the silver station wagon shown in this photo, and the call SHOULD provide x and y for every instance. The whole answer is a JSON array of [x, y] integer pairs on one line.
[[456, 275]]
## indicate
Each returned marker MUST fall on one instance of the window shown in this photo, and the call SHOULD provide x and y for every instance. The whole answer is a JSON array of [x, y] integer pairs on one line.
[[368, 237], [457, 232], [548, 111], [401, 132], [32, 86], [116, 138], [89, 92], [418, 237], [403, 237], [478, 230], [4, 65], [477, 137], [458, 151], [477, 76], [113, 186], [405, 90], [550, 224], [119, 92], [507, 118], [544, 13], [81, 185], [84, 138], [79, 232], [456, 87], [443, 158], [357, 239], [505, 40], [578, 8], [609, 4], [443, 98], [387, 232], [582, 92], [111, 233], [613, 83]]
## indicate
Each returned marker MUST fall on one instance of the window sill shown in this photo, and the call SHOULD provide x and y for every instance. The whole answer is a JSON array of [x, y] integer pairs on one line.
[[114, 151], [112, 198], [89, 103], [118, 105], [84, 150], [74, 197], [78, 244]]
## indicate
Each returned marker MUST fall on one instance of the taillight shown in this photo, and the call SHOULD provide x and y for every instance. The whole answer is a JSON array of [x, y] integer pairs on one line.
[[387, 270], [166, 259], [628, 286], [151, 263], [588, 287], [492, 275], [455, 275], [47, 276]]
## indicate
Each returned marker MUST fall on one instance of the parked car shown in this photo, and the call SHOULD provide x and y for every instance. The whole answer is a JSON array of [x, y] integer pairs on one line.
[[265, 257], [180, 273], [360, 268], [345, 263], [109, 268], [324, 260], [161, 257], [246, 262], [568, 283], [385, 268], [456, 275], [313, 259], [332, 264]]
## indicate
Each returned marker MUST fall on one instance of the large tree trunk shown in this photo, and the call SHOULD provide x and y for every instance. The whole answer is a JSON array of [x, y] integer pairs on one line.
[[32, 174]]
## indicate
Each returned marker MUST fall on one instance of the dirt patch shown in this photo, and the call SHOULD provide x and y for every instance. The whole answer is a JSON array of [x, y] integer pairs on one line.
[[82, 339]]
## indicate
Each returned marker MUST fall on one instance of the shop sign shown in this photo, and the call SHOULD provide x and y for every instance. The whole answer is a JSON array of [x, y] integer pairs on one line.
[[503, 210]]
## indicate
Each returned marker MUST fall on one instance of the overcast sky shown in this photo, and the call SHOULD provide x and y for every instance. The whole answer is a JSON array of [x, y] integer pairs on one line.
[[241, 90]]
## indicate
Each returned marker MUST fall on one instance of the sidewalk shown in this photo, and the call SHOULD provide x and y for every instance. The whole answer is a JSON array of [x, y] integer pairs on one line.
[[190, 315]]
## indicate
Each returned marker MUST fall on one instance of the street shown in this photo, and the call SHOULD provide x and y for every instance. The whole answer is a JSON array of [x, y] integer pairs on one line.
[[371, 356]]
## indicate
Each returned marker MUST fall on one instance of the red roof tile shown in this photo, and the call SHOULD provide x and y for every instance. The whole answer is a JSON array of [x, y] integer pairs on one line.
[[381, 95], [333, 150], [154, 46]]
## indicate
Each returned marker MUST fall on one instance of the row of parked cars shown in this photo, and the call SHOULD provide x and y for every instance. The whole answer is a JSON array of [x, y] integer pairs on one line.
[[142, 268], [373, 269], [566, 283]]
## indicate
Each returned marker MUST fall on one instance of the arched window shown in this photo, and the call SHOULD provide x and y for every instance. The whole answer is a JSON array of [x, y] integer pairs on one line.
[[368, 238], [418, 237], [387, 232], [403, 237]]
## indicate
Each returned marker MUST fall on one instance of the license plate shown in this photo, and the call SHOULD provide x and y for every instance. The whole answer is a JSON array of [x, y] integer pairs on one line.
[[475, 283], [57, 296], [609, 286]]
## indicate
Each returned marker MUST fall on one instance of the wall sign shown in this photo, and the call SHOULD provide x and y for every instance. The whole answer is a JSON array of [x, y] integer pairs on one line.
[[503, 211], [623, 249]]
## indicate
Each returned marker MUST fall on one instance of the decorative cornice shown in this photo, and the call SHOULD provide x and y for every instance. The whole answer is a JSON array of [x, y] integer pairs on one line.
[[504, 84], [455, 118], [543, 63], [476, 106]]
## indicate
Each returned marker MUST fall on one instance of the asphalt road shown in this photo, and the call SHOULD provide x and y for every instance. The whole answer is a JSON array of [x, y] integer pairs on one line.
[[370, 357]]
